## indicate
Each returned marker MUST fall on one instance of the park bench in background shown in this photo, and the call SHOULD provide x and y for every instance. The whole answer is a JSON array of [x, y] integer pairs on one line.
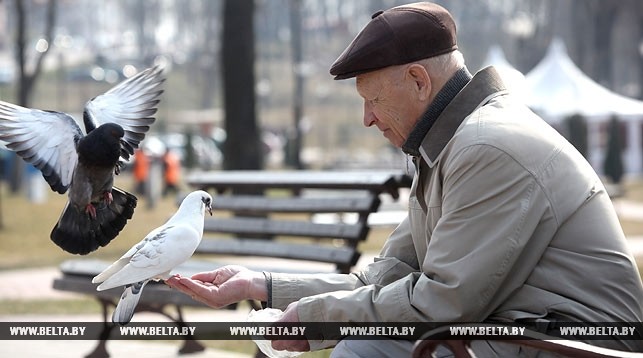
[[278, 224]]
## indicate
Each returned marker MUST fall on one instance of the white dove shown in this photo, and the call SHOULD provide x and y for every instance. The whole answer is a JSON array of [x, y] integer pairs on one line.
[[84, 164], [157, 254]]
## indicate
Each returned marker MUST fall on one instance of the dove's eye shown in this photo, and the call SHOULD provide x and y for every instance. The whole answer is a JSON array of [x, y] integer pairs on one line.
[[205, 200]]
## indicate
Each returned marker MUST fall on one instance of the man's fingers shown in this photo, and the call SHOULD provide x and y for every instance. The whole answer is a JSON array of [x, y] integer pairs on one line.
[[195, 286], [205, 276]]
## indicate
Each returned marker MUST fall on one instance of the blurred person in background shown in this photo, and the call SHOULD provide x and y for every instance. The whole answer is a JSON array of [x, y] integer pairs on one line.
[[141, 171], [171, 172]]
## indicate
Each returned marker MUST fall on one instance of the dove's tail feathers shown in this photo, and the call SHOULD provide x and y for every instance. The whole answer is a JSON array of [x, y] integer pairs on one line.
[[127, 305], [77, 233]]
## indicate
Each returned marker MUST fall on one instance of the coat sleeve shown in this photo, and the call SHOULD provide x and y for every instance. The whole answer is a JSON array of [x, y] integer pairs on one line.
[[490, 208], [396, 260]]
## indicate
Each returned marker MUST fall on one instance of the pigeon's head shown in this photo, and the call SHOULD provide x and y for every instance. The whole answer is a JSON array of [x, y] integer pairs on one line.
[[101, 146], [200, 198], [207, 201], [113, 130]]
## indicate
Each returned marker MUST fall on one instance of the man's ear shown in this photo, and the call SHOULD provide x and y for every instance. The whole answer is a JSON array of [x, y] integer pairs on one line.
[[421, 81]]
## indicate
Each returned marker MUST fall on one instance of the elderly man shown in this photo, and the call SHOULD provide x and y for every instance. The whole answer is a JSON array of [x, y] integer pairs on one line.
[[507, 222]]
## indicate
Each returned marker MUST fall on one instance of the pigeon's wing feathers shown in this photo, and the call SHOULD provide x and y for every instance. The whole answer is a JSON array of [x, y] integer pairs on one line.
[[45, 139], [111, 270], [131, 104], [155, 256]]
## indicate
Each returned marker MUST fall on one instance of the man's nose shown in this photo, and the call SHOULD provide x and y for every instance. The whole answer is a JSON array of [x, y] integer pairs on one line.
[[369, 117]]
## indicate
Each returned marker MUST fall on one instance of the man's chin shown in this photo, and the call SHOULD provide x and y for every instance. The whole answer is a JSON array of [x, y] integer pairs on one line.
[[392, 138]]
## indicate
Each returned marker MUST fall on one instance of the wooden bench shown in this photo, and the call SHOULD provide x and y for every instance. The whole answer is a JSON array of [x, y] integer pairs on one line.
[[461, 348], [279, 224]]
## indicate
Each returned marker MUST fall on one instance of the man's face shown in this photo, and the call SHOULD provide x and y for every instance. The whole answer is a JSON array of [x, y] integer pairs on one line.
[[388, 102]]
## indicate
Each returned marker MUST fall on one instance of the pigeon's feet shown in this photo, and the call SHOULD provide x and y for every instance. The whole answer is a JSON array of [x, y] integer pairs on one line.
[[119, 165], [91, 210], [107, 196]]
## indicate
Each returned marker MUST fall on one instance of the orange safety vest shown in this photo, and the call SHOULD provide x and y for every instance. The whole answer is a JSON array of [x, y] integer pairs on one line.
[[172, 168], [141, 166]]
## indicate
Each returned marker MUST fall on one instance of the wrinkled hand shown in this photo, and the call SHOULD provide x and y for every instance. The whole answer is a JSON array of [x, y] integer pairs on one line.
[[301, 345], [223, 286]]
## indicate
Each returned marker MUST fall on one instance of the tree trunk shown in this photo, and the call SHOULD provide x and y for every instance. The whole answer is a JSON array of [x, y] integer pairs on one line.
[[241, 149], [26, 80], [295, 140]]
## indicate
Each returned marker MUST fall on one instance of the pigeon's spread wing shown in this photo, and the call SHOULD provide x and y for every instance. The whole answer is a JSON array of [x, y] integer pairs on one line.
[[131, 104], [43, 138]]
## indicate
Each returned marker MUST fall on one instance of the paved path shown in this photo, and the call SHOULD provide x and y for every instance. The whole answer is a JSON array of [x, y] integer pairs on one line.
[[628, 209], [116, 349]]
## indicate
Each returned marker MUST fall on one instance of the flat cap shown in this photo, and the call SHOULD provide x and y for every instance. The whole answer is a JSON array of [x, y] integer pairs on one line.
[[397, 36]]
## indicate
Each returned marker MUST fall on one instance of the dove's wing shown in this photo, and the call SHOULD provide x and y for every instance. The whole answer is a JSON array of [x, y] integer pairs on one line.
[[131, 104], [43, 138], [156, 255], [125, 259]]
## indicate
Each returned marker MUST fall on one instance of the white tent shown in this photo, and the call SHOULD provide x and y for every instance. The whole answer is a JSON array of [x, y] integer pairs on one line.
[[557, 88], [513, 78]]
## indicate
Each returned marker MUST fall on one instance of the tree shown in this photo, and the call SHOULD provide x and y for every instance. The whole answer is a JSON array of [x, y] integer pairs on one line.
[[295, 138], [27, 80], [613, 163], [242, 149]]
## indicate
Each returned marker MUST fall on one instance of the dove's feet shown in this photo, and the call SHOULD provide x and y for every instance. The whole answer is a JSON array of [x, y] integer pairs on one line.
[[91, 210], [107, 196]]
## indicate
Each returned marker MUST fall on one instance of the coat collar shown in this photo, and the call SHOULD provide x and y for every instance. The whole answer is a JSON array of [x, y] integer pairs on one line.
[[442, 99], [484, 85]]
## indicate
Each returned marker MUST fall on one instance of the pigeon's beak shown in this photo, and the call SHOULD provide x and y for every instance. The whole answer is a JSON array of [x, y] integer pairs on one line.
[[209, 207]]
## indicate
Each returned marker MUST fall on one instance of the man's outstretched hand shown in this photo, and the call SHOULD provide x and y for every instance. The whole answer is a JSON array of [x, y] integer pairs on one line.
[[223, 286]]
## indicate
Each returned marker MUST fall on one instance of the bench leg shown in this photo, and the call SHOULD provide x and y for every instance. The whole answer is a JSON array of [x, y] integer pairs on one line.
[[190, 345], [101, 348]]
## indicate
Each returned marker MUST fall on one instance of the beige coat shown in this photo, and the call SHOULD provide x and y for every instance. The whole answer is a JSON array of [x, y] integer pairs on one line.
[[507, 221]]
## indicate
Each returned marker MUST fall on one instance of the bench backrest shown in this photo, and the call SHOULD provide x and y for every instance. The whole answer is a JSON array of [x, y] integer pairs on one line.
[[285, 227], [285, 222]]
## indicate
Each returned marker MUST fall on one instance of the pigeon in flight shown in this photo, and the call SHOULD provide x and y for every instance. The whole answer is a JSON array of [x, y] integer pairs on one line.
[[84, 164], [157, 254]]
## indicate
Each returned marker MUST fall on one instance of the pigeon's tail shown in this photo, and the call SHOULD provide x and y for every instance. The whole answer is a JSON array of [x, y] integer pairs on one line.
[[127, 305], [77, 233]]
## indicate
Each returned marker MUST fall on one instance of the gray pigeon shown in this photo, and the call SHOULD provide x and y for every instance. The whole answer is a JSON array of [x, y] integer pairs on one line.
[[115, 123], [157, 254]]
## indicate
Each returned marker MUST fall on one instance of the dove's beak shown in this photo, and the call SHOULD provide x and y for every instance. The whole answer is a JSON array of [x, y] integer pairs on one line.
[[209, 207]]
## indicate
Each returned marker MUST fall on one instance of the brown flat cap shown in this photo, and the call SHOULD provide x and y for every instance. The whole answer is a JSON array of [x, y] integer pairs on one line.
[[397, 36]]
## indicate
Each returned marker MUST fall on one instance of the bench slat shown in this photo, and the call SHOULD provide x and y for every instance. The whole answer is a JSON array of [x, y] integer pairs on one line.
[[374, 181], [266, 248], [262, 204], [154, 293], [270, 227]]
